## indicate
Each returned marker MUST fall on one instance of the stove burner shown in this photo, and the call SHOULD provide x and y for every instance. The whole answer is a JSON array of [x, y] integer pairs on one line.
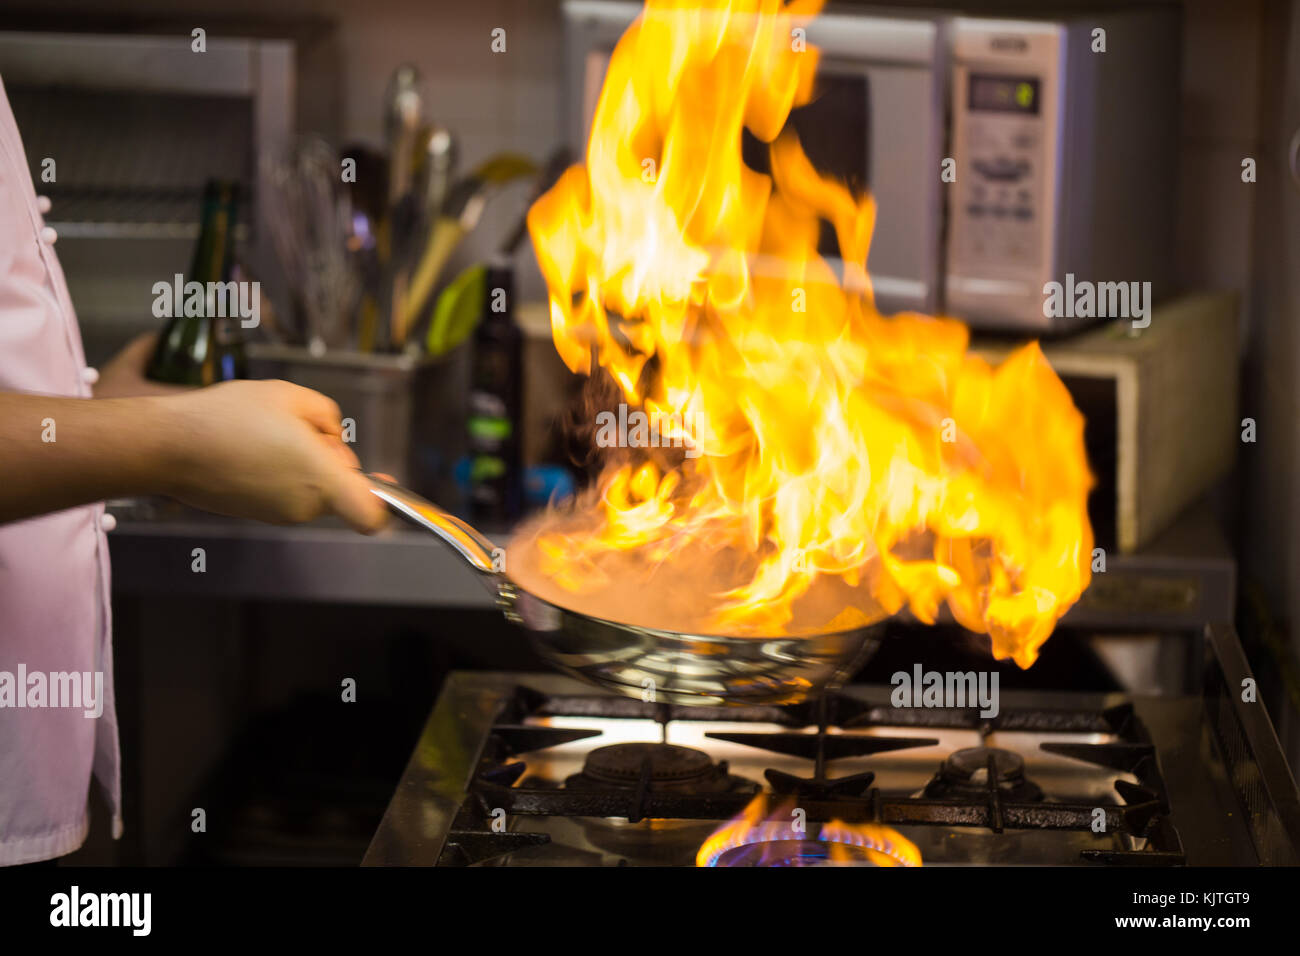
[[623, 775], [779, 853], [974, 771], [654, 766]]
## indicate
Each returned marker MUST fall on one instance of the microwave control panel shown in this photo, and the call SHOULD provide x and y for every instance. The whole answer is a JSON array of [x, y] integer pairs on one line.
[[999, 185], [1006, 111]]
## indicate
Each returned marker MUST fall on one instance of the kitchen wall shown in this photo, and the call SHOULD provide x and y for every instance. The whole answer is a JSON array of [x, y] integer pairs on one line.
[[1220, 125], [1269, 517], [493, 101]]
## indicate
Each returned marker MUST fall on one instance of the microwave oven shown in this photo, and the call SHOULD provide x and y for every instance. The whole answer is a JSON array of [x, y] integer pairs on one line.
[[1063, 159]]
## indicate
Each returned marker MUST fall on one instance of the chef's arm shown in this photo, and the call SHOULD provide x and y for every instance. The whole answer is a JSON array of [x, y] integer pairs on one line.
[[267, 450]]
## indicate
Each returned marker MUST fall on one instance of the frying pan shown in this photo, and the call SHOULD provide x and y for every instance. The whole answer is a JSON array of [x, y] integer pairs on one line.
[[644, 662]]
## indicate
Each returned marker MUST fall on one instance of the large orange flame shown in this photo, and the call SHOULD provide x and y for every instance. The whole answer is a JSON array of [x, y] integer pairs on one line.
[[832, 441]]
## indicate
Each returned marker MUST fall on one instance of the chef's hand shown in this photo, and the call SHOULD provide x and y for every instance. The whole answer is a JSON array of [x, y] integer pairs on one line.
[[123, 375], [267, 450]]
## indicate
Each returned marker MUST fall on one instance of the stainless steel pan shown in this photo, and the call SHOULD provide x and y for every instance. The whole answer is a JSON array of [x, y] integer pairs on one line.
[[643, 662]]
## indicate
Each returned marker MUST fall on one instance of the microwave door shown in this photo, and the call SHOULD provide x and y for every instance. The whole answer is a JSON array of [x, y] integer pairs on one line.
[[875, 122], [834, 129], [877, 126]]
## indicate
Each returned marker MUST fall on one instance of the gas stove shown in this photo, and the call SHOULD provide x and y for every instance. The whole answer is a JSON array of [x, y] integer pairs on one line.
[[542, 770]]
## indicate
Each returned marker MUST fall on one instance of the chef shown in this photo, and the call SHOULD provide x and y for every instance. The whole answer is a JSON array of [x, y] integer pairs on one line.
[[70, 437]]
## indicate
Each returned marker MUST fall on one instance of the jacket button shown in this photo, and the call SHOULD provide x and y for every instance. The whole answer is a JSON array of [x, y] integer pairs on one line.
[[107, 521], [49, 236], [43, 204], [90, 375]]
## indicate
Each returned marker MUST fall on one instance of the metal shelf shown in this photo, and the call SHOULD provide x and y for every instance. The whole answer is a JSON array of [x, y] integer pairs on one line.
[[171, 231]]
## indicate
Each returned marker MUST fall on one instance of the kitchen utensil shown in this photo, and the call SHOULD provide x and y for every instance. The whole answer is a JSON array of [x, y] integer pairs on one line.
[[368, 194], [402, 106], [552, 169], [438, 165], [310, 219], [458, 307], [457, 310], [460, 214], [643, 662], [402, 119]]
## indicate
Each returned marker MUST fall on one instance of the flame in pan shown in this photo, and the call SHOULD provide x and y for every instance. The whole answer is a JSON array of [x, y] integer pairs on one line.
[[832, 441]]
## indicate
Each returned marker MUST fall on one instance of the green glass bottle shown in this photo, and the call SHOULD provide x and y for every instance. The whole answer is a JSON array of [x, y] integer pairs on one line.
[[199, 346]]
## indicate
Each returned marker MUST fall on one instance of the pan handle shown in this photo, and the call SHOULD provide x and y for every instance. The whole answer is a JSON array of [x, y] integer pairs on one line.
[[468, 543]]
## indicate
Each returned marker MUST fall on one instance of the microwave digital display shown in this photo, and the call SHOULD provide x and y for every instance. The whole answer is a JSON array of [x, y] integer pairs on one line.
[[1003, 94]]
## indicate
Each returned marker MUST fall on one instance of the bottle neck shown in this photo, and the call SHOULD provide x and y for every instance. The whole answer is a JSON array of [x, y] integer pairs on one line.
[[214, 253]]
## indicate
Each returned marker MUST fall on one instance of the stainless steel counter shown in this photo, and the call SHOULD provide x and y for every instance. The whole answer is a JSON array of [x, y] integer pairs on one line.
[[324, 561]]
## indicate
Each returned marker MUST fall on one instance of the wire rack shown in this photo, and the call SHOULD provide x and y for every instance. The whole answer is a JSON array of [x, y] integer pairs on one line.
[[131, 164]]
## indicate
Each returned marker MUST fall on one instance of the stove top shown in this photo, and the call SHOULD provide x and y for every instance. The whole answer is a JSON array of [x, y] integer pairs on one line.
[[542, 770]]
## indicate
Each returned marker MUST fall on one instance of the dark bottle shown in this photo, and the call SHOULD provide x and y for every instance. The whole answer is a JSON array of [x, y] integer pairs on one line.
[[495, 405], [199, 346]]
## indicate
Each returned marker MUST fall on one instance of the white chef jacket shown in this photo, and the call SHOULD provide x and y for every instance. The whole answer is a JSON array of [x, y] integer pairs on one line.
[[54, 575]]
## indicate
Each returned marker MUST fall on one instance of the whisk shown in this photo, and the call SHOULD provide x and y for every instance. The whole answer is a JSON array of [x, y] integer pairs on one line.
[[310, 220]]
